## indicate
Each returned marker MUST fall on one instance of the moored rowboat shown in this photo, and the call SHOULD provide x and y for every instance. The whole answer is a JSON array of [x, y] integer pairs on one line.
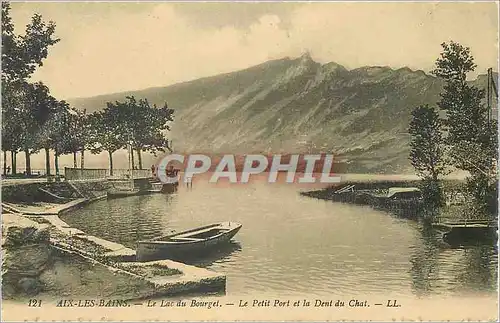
[[184, 243], [122, 193]]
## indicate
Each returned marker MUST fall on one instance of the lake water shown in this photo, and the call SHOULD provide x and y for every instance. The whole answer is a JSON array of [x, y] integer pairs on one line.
[[294, 245]]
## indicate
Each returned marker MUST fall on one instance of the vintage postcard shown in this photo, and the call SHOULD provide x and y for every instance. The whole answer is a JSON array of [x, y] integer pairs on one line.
[[249, 161]]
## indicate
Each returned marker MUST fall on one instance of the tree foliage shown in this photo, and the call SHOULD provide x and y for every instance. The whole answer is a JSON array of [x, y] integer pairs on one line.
[[465, 138], [427, 149], [22, 54], [428, 152], [145, 126], [470, 134], [107, 134], [32, 119], [454, 63], [25, 106]]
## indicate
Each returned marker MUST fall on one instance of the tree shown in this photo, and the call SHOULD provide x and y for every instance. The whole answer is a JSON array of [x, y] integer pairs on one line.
[[11, 129], [64, 139], [107, 134], [154, 126], [144, 125], [46, 135], [85, 128], [56, 133], [427, 152], [34, 108], [21, 55], [133, 121], [472, 137], [75, 137], [454, 63]]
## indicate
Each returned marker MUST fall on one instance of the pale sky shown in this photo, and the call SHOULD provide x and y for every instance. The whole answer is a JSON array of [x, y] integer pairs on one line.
[[112, 47]]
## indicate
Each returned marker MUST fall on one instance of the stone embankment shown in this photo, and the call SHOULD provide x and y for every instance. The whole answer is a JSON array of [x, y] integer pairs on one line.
[[44, 256], [26, 253]]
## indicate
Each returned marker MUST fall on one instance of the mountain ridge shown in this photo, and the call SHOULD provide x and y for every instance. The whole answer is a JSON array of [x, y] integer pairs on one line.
[[296, 105]]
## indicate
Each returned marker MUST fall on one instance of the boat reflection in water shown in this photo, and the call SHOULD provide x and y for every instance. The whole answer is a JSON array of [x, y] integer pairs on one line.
[[210, 256], [172, 181]]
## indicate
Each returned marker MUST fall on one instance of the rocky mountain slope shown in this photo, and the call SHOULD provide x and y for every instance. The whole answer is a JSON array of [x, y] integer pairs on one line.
[[297, 105]]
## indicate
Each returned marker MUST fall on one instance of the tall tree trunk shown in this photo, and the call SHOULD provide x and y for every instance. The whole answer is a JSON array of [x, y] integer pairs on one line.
[[5, 162], [13, 159], [132, 157], [56, 162], [47, 161], [82, 158], [110, 163], [27, 156], [74, 160], [139, 157]]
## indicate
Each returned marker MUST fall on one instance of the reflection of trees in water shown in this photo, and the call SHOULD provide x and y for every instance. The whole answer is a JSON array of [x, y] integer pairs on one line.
[[143, 219], [473, 271], [479, 273], [424, 260], [125, 220]]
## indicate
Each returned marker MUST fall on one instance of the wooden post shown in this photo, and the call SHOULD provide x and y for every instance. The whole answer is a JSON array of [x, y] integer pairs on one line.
[[488, 94]]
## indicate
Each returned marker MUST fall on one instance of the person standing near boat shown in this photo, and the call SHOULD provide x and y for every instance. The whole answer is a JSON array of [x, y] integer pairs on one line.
[[153, 168]]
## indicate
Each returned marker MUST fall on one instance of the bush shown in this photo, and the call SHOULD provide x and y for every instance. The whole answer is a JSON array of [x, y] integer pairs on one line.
[[432, 194]]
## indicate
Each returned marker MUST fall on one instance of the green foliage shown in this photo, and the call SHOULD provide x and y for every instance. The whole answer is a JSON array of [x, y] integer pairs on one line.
[[25, 107], [471, 136], [33, 108], [33, 119], [427, 153], [11, 128], [22, 54], [484, 193], [77, 128], [145, 124], [454, 63], [427, 149], [432, 193], [107, 130], [155, 125], [63, 120], [134, 121]]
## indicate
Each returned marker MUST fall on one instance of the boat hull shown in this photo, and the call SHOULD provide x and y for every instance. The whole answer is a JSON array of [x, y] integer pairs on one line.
[[169, 188], [121, 194], [152, 250], [468, 235]]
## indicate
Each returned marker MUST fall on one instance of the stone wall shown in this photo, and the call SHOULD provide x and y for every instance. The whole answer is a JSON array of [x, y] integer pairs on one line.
[[26, 253]]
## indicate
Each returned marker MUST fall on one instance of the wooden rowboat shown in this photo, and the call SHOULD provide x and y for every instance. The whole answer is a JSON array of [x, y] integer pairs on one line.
[[114, 194], [185, 243]]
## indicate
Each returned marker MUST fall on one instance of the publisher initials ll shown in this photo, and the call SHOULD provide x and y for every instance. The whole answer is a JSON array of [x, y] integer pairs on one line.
[[392, 303]]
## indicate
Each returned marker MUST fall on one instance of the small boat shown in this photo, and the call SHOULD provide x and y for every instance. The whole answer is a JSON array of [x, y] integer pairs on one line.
[[400, 198], [171, 182], [114, 194], [468, 231], [156, 188], [184, 243]]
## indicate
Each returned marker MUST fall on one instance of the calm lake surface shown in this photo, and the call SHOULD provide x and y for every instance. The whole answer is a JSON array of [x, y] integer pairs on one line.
[[293, 245]]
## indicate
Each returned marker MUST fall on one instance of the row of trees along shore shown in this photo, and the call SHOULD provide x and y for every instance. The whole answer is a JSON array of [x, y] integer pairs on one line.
[[33, 120], [458, 134]]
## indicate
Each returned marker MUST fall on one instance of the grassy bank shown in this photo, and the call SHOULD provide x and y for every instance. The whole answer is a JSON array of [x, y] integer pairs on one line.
[[362, 193]]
